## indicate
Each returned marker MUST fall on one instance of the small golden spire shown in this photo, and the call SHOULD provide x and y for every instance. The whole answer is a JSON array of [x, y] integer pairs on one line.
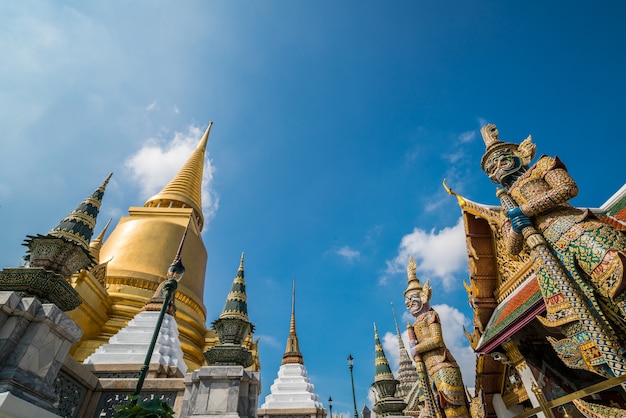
[[96, 244], [459, 199], [185, 189], [292, 352]]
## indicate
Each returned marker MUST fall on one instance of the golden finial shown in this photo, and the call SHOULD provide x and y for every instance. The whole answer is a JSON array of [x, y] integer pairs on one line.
[[459, 199], [96, 244], [292, 352]]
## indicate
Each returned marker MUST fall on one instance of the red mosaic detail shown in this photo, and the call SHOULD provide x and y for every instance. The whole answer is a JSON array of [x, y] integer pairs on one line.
[[556, 299], [518, 299]]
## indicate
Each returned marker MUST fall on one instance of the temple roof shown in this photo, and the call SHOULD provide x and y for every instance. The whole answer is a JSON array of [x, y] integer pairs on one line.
[[614, 210], [515, 311], [503, 290], [185, 189]]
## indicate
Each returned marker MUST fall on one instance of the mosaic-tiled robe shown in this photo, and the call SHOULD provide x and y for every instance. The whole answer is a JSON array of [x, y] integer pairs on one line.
[[592, 254], [442, 368]]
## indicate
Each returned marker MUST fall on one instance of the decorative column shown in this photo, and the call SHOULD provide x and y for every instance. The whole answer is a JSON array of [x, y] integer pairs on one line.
[[528, 380]]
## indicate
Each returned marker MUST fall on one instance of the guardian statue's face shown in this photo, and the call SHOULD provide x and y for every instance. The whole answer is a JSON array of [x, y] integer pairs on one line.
[[503, 167], [413, 302]]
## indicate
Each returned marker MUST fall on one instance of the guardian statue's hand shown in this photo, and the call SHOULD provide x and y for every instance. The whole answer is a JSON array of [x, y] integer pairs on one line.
[[518, 220]]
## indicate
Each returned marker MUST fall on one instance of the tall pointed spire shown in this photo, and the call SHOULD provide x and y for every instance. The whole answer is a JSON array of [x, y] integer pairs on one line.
[[383, 371], [385, 385], [77, 227], [292, 352], [185, 189], [232, 327], [407, 374]]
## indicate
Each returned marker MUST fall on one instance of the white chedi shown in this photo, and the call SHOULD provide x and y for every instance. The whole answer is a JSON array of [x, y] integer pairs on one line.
[[130, 344], [292, 389]]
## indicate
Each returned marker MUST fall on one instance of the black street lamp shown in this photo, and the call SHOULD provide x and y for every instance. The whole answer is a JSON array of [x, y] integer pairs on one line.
[[330, 406], [350, 366], [174, 274]]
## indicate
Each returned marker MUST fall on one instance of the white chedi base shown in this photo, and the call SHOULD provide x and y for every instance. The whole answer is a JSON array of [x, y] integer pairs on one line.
[[130, 344], [292, 389]]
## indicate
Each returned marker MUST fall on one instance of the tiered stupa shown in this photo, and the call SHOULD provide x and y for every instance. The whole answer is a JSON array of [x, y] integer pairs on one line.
[[233, 327], [292, 393], [134, 257], [407, 374]]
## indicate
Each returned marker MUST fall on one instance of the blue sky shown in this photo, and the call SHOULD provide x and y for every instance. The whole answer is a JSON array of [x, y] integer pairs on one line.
[[335, 124]]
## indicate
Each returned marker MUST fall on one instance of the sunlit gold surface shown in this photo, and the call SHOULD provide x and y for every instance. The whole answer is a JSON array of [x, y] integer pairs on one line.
[[138, 253], [140, 249]]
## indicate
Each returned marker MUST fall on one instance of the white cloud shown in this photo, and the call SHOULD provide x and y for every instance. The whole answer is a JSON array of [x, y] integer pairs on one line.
[[455, 157], [467, 136], [152, 106], [439, 254], [268, 340], [155, 164], [348, 253]]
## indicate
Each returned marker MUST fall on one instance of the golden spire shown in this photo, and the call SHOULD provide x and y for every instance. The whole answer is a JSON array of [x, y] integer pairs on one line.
[[292, 352], [96, 244], [185, 189]]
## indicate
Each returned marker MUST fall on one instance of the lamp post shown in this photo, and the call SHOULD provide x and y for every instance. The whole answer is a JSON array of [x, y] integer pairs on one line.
[[350, 366], [174, 274], [330, 406]]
